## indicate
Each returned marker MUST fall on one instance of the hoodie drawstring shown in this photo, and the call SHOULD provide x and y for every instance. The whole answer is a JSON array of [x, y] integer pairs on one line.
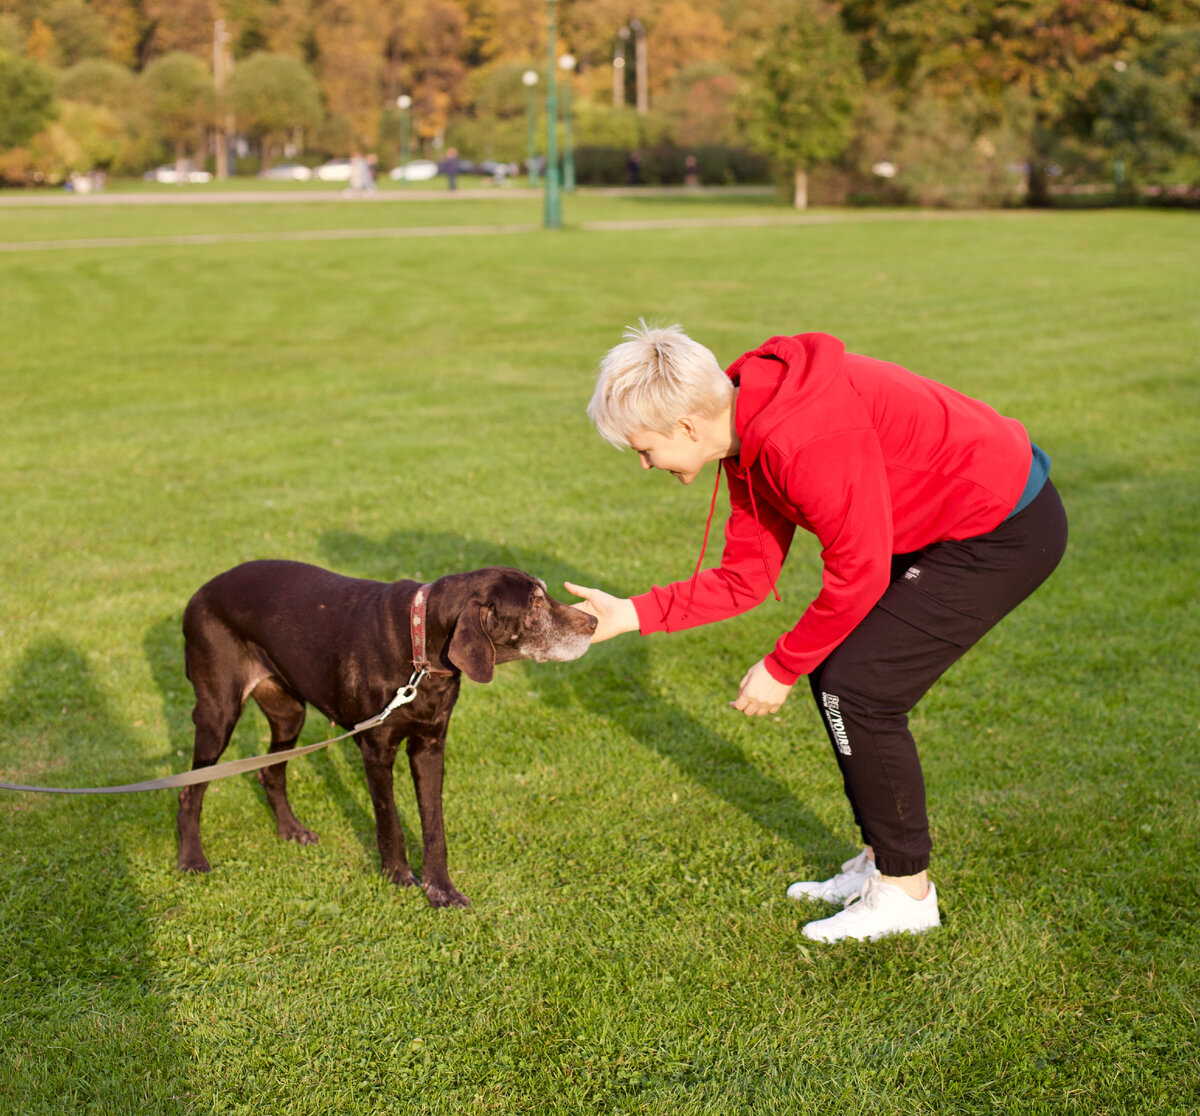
[[704, 545], [762, 550]]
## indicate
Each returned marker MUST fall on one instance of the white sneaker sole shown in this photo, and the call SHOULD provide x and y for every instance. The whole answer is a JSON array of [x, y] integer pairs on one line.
[[863, 923]]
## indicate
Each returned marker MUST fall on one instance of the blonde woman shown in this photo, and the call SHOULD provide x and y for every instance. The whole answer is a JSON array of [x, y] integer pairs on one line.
[[935, 517]]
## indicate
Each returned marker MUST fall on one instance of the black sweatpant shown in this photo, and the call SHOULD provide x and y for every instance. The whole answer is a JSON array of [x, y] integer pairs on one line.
[[941, 601]]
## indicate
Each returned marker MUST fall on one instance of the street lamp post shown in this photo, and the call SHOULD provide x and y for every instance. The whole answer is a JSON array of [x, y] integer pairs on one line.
[[404, 104], [553, 209], [529, 80], [567, 65]]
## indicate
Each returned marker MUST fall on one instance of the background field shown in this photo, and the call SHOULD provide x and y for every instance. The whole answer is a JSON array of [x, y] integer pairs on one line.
[[410, 407]]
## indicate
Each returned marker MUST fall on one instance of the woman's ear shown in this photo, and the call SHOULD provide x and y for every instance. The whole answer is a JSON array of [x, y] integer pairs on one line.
[[470, 648], [690, 425]]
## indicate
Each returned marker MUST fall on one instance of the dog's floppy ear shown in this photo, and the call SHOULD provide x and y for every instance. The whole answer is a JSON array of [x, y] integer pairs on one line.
[[470, 649]]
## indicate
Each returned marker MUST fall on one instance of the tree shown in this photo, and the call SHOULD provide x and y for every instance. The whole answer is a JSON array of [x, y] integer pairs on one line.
[[26, 100], [104, 113], [699, 102], [79, 32], [1147, 110], [273, 95], [683, 35], [181, 103], [177, 25], [1041, 58], [804, 92], [97, 81]]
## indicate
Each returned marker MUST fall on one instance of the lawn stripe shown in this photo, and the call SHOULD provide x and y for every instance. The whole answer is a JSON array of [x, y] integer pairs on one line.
[[496, 230]]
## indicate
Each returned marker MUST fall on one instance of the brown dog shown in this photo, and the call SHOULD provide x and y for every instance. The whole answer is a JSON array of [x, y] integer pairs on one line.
[[287, 634]]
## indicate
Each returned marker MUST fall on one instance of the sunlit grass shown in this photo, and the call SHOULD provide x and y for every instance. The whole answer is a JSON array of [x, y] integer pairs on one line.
[[412, 408]]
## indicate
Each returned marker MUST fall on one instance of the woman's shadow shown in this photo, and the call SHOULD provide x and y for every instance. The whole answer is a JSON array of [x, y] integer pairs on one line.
[[78, 959], [612, 682]]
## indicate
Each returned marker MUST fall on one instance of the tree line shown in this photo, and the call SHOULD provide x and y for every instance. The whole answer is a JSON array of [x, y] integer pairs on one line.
[[937, 101]]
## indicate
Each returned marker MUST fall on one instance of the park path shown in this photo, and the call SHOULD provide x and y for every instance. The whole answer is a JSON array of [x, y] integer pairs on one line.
[[781, 219], [186, 196]]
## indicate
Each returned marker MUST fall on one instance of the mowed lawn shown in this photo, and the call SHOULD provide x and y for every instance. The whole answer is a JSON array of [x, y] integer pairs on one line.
[[412, 407]]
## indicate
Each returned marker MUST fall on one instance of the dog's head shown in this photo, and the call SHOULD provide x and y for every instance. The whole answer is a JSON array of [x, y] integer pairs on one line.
[[505, 614]]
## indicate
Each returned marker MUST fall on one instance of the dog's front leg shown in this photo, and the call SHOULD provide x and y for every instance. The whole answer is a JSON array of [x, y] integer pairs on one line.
[[379, 750], [425, 759]]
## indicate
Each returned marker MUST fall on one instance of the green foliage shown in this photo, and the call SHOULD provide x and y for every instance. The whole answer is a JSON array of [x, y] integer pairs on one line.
[[181, 100], [272, 95], [666, 164], [942, 153], [333, 138], [11, 38], [26, 100], [700, 102], [1051, 61], [79, 30], [98, 81], [1147, 111], [805, 88]]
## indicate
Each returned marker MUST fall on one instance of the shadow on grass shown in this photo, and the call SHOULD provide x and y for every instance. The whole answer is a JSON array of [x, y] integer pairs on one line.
[[80, 1027], [612, 682]]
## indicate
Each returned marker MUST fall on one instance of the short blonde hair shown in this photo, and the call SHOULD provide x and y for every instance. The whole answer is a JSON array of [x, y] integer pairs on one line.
[[655, 377]]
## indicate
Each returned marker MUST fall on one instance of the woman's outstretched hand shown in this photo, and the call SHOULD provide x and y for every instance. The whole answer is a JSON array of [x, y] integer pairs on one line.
[[616, 615]]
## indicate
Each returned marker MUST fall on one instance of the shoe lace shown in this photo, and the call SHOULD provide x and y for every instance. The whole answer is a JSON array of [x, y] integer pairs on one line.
[[868, 894]]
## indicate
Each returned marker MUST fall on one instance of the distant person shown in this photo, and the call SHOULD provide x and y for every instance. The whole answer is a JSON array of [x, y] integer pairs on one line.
[[633, 169], [936, 517], [450, 166], [691, 173], [360, 176]]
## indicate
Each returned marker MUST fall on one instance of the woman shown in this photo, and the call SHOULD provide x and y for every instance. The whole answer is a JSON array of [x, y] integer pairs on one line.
[[936, 517]]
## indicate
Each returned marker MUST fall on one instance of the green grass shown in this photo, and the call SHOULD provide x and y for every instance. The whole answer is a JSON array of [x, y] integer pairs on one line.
[[408, 408], [27, 224]]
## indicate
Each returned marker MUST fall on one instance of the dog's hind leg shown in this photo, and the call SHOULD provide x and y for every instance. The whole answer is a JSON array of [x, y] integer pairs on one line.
[[216, 712], [285, 714]]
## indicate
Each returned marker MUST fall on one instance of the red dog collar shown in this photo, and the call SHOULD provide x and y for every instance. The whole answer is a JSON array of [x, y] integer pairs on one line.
[[417, 625]]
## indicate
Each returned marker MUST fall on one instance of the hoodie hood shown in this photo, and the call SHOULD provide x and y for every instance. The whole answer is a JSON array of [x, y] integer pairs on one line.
[[777, 382]]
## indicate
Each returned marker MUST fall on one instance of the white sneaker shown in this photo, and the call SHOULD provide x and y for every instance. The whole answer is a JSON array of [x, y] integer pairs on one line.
[[846, 884], [878, 910]]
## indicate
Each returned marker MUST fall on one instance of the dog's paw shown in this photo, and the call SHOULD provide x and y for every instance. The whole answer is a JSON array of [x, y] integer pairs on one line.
[[298, 833], [446, 897], [194, 862], [402, 877]]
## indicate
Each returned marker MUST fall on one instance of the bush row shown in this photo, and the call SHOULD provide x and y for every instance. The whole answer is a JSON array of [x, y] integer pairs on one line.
[[666, 165]]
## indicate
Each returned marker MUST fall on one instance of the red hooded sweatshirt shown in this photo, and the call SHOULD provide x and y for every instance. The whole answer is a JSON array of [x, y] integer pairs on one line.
[[872, 459]]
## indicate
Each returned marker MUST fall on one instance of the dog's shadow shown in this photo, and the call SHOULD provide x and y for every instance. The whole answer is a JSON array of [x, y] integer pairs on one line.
[[701, 754]]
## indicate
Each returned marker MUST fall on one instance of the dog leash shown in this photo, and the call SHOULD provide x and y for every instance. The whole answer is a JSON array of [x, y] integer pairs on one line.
[[406, 693]]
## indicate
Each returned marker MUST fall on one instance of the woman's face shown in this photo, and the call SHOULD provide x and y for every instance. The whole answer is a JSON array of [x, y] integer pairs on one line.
[[678, 453]]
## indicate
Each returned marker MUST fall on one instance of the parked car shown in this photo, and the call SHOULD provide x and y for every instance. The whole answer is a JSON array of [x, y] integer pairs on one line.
[[419, 170], [335, 170], [287, 172], [167, 174]]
